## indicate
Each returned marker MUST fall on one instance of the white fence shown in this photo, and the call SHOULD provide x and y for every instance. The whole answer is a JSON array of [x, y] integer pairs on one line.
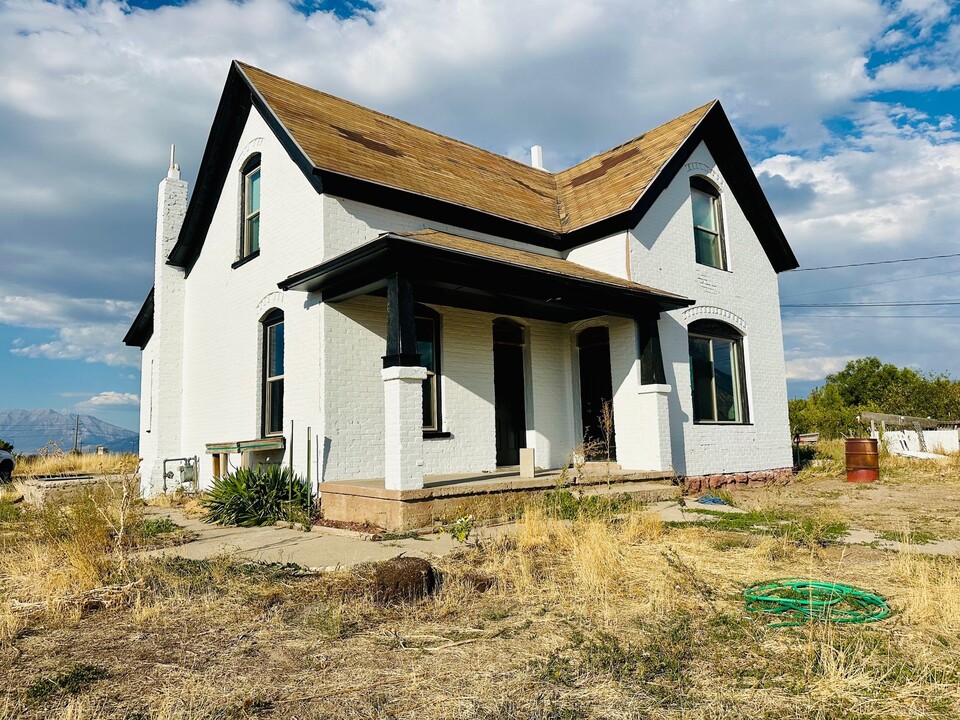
[[937, 441]]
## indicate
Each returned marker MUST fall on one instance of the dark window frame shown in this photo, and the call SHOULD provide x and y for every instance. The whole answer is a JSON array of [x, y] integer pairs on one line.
[[701, 185], [713, 331], [269, 382], [434, 374], [246, 251]]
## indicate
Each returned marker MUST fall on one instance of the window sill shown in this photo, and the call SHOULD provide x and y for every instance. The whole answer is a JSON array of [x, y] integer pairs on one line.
[[245, 260], [655, 388], [436, 435], [717, 423], [714, 267]]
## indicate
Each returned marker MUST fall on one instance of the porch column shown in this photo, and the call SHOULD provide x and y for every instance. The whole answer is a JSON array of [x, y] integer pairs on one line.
[[654, 406], [654, 395], [403, 378], [403, 427]]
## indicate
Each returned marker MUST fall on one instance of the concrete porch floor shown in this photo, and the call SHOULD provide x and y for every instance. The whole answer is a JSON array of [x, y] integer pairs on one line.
[[458, 494]]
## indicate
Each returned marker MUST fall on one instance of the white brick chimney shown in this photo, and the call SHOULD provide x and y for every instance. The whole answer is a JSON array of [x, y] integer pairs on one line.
[[162, 398]]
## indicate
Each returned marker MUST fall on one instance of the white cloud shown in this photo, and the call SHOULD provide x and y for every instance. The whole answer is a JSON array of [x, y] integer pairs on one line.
[[109, 398], [89, 343], [92, 94], [87, 329], [48, 310], [815, 368]]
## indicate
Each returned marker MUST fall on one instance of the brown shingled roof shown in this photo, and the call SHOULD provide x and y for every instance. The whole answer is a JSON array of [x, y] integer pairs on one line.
[[345, 138], [349, 151]]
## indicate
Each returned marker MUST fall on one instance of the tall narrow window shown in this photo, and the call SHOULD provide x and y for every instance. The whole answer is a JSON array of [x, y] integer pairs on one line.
[[273, 373], [250, 234], [716, 373], [428, 345], [707, 223]]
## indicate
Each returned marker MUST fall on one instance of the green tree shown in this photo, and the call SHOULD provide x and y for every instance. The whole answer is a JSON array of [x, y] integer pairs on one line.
[[868, 384], [4, 445]]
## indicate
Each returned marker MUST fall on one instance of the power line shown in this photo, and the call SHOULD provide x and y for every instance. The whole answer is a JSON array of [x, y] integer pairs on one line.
[[876, 262], [902, 303], [913, 317], [870, 284]]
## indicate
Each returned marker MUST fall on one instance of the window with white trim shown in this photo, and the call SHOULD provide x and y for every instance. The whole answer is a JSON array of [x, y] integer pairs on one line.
[[717, 373], [707, 223]]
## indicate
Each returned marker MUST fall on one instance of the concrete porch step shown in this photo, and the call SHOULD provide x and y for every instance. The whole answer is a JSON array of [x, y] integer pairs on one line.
[[644, 491]]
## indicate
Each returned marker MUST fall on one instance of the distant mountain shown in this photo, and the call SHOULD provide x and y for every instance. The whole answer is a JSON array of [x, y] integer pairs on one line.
[[30, 430]]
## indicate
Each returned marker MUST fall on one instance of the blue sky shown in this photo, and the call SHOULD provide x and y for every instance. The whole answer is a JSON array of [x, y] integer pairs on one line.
[[847, 110]]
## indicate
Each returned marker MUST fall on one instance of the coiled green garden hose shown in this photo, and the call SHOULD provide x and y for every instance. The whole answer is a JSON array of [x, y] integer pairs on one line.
[[800, 601]]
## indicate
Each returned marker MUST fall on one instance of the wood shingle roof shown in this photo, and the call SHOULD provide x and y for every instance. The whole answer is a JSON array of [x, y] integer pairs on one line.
[[345, 138], [349, 151]]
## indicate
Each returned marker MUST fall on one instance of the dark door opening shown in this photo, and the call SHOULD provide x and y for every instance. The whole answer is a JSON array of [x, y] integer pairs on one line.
[[508, 390], [596, 394]]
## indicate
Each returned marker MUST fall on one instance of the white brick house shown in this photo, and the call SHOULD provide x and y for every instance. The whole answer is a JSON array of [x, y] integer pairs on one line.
[[426, 307]]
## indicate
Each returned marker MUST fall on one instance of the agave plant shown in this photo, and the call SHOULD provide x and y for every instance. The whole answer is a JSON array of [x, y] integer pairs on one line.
[[249, 497]]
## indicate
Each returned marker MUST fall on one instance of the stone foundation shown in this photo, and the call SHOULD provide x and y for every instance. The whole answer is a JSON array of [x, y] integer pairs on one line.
[[696, 484], [496, 496], [40, 491]]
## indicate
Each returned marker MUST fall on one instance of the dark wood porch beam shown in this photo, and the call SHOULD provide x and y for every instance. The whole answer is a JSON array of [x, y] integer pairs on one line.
[[401, 324]]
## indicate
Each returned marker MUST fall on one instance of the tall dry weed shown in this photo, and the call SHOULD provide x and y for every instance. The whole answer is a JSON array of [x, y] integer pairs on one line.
[[928, 591], [57, 462]]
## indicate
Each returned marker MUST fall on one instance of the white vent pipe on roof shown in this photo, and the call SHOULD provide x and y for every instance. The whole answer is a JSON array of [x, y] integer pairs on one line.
[[536, 157]]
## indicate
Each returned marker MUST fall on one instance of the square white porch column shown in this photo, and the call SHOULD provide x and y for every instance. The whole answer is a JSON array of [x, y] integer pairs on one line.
[[403, 426], [654, 417]]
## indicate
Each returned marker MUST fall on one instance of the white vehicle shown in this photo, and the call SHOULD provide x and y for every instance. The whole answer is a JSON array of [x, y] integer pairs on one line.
[[6, 466]]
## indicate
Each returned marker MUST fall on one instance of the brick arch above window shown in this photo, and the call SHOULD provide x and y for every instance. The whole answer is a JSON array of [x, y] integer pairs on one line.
[[251, 148], [711, 312]]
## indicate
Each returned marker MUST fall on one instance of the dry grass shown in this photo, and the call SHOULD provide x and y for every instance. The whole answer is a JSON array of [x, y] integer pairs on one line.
[[602, 616], [58, 462]]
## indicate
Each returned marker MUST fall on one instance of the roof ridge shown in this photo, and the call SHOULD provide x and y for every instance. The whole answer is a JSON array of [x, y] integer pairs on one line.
[[365, 108], [707, 105]]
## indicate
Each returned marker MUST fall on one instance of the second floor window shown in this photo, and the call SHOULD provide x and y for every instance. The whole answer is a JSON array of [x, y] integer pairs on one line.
[[250, 231], [707, 223]]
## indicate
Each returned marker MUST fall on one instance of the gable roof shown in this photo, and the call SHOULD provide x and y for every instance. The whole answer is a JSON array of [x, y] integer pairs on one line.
[[353, 152]]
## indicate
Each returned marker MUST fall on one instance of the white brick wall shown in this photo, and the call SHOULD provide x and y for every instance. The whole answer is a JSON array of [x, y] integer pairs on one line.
[[221, 332], [747, 296], [355, 342]]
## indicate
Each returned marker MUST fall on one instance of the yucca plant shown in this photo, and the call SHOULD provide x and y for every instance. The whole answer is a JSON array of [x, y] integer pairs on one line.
[[249, 498]]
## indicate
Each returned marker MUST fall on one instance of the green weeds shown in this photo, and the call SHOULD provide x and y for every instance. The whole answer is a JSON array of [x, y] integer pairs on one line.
[[72, 682], [564, 505]]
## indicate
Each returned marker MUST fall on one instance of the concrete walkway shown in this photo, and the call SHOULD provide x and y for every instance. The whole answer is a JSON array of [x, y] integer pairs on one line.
[[329, 549], [316, 550]]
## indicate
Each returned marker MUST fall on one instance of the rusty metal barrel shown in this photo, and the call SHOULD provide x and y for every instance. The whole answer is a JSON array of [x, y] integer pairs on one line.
[[863, 460]]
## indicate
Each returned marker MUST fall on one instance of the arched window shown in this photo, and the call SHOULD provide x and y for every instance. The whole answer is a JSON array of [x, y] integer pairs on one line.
[[428, 345], [250, 207], [707, 223], [717, 373], [273, 373]]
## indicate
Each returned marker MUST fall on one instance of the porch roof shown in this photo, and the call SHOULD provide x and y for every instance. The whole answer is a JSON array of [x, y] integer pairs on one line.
[[448, 269]]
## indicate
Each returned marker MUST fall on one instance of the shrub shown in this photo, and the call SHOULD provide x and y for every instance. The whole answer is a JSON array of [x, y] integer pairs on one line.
[[257, 497]]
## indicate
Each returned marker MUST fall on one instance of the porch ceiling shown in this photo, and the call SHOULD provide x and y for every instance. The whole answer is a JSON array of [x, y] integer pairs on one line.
[[461, 272]]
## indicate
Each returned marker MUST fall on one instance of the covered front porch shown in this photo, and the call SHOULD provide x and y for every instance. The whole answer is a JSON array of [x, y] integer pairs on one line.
[[530, 349]]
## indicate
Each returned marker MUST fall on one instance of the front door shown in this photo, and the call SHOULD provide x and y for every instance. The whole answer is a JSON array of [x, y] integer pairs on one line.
[[596, 394], [508, 390]]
